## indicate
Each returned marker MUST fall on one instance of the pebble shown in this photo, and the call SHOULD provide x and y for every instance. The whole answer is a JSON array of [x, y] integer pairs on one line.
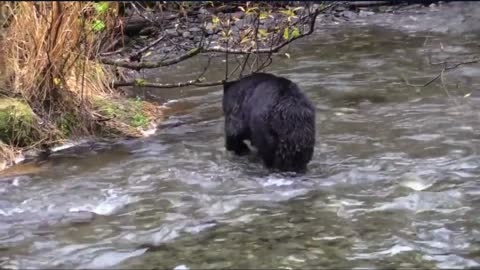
[[186, 34], [171, 32], [194, 29]]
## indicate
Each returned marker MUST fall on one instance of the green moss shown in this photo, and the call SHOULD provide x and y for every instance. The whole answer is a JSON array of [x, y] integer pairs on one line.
[[17, 123], [139, 120], [127, 111], [67, 124]]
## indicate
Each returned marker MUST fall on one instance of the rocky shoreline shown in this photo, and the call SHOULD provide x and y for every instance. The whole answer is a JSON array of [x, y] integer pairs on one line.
[[168, 34], [149, 33]]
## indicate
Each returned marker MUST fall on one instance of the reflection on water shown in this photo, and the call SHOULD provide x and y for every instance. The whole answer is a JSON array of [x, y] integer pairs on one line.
[[393, 182]]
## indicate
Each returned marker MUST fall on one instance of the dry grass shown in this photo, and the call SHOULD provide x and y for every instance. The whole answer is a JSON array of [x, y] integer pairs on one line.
[[49, 51], [7, 155]]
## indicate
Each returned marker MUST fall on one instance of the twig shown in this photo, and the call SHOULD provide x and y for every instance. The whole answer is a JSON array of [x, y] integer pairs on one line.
[[269, 57], [255, 34], [111, 45], [442, 79], [140, 13], [228, 39], [168, 85], [136, 56], [422, 85], [112, 53], [196, 82], [233, 71], [244, 65], [148, 64], [199, 78], [440, 74], [474, 61], [265, 64]]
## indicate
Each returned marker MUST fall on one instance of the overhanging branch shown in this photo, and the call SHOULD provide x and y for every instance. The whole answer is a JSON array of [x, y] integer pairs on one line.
[[217, 49], [150, 64], [141, 83], [445, 68]]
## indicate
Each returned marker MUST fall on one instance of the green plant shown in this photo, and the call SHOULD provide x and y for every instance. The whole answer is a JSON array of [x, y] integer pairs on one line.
[[101, 9], [67, 124], [17, 125], [139, 120], [292, 31]]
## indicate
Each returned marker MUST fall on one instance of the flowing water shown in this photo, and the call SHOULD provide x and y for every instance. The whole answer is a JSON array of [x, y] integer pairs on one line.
[[393, 182]]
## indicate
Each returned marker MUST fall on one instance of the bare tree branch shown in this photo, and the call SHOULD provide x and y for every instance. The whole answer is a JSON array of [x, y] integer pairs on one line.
[[149, 64], [168, 85], [444, 69], [422, 85], [136, 56], [235, 70], [255, 34], [313, 18], [140, 13], [200, 80], [196, 82], [216, 49], [244, 65], [112, 53], [267, 50], [269, 60], [456, 65]]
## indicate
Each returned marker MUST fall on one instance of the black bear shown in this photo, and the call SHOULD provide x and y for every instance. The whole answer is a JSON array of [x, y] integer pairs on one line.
[[275, 116]]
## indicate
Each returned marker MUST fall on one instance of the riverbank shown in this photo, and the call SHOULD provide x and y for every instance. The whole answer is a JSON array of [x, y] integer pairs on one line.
[[122, 113], [52, 89], [388, 181]]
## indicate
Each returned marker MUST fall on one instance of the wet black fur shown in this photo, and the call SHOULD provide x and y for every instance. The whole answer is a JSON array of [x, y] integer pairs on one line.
[[275, 116]]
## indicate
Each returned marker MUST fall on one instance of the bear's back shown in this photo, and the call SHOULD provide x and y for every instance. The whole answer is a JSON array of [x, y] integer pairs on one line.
[[263, 82]]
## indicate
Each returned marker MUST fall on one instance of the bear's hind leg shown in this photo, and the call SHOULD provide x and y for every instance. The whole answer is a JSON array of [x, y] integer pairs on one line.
[[267, 156], [236, 145], [266, 145], [235, 133]]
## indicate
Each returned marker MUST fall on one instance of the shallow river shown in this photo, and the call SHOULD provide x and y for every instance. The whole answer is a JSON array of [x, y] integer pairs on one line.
[[394, 181]]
